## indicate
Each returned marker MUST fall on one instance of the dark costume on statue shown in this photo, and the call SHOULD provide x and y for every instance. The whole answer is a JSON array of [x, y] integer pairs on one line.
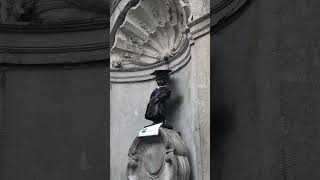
[[156, 109]]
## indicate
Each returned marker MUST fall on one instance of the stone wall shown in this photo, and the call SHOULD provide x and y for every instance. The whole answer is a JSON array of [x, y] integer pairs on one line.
[[266, 93]]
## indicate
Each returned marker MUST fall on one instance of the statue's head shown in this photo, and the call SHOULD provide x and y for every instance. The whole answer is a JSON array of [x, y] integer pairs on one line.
[[162, 81], [162, 76]]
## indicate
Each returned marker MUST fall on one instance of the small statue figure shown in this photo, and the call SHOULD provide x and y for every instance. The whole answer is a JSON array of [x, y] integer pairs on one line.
[[156, 109]]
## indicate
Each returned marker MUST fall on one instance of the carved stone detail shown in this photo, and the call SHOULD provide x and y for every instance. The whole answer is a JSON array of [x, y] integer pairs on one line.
[[162, 157], [153, 32]]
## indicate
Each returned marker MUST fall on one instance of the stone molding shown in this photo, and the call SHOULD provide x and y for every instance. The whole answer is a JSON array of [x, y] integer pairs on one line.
[[222, 9], [162, 157], [42, 12], [58, 28], [153, 35], [54, 47], [59, 49], [200, 27], [143, 73], [80, 57]]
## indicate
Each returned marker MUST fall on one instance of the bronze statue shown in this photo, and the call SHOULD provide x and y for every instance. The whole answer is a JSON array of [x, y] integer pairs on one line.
[[156, 109]]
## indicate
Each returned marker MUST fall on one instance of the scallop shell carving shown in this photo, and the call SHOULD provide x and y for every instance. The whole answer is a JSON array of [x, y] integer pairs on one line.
[[152, 32]]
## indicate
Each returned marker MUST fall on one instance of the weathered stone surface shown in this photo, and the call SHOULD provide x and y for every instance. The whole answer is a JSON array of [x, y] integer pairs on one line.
[[162, 157], [200, 84], [199, 8]]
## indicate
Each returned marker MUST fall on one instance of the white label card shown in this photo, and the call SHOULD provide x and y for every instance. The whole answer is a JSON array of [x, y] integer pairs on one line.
[[150, 130]]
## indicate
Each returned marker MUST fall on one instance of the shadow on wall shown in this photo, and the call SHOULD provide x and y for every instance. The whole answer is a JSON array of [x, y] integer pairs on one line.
[[174, 102], [223, 124], [174, 108]]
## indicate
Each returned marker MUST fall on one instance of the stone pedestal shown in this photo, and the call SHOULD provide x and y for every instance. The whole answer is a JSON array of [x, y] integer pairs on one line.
[[162, 157]]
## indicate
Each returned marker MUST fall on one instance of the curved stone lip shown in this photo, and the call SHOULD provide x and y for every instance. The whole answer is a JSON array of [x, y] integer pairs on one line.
[[55, 48], [224, 9], [85, 25], [58, 49], [144, 73], [118, 12], [168, 136], [175, 165], [119, 9]]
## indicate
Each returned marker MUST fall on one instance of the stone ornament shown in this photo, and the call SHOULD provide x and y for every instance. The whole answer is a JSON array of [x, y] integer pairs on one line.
[[152, 34], [162, 157]]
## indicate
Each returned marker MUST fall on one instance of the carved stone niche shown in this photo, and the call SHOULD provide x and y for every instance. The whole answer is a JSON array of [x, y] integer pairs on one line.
[[153, 35], [162, 157]]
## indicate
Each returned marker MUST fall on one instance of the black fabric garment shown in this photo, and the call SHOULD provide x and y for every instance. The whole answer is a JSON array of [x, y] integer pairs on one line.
[[156, 109]]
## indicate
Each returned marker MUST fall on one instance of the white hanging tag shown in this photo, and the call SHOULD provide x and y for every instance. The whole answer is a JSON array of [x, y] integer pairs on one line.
[[150, 130]]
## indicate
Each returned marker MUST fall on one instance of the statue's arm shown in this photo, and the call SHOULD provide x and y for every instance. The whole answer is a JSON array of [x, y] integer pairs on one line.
[[162, 95], [165, 95]]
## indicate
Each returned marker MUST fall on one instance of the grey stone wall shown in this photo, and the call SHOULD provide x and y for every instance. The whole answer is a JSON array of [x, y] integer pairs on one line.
[[266, 69], [54, 122], [199, 8], [200, 84]]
